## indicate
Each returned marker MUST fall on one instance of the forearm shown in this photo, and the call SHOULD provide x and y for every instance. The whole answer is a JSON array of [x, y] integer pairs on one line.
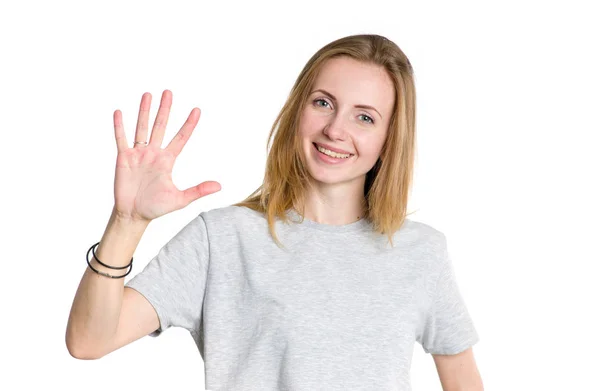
[[97, 304]]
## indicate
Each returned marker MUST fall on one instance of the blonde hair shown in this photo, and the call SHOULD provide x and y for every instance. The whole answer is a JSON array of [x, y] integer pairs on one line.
[[387, 184]]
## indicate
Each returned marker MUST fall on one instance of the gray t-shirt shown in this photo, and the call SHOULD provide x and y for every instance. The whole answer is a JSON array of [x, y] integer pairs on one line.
[[337, 309]]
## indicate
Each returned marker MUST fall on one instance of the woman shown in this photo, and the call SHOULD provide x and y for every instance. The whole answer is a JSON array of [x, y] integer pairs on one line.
[[317, 280]]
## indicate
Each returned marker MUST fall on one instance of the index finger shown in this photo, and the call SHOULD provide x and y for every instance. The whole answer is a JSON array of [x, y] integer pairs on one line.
[[178, 142]]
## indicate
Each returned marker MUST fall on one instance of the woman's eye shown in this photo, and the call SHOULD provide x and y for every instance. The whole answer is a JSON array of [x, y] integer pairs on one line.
[[320, 100], [370, 120]]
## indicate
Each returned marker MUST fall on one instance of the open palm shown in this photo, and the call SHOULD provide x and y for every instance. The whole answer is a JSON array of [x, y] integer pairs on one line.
[[144, 188]]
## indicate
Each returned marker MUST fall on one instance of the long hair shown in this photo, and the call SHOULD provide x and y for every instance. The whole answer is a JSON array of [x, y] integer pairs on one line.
[[286, 180]]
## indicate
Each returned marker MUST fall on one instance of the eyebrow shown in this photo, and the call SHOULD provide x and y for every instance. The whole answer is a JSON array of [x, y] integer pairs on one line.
[[359, 106]]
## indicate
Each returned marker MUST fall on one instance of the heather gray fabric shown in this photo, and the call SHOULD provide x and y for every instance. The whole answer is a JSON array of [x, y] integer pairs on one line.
[[337, 309]]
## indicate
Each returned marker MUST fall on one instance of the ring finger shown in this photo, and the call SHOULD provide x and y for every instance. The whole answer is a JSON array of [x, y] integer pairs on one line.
[[141, 131]]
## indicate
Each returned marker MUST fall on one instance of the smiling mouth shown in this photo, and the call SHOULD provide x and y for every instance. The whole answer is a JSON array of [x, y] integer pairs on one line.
[[340, 155]]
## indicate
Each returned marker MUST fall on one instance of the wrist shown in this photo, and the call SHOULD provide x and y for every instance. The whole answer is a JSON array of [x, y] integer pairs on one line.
[[128, 221]]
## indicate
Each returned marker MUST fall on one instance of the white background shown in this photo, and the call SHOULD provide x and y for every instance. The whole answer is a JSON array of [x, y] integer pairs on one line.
[[507, 163]]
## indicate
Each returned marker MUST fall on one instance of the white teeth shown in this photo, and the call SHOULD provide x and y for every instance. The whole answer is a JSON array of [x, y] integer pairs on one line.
[[333, 154]]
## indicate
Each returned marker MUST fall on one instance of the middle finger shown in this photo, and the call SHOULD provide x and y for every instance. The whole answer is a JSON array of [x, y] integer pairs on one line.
[[158, 129]]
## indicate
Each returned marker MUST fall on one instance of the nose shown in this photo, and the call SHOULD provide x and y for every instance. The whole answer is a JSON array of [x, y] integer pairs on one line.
[[335, 128]]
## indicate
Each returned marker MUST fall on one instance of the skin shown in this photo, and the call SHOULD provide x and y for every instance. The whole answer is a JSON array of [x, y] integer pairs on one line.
[[336, 195]]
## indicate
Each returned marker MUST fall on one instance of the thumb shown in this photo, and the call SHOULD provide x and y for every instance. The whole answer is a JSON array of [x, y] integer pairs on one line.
[[205, 188]]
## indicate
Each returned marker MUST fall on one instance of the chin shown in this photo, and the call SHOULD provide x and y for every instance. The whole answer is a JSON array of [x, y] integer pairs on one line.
[[332, 179]]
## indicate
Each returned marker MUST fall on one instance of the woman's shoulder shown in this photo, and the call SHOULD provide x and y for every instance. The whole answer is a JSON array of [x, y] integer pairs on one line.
[[421, 227], [231, 212], [231, 217], [418, 232]]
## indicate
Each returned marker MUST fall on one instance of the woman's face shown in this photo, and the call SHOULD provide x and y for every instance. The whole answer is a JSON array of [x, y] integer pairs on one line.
[[336, 116]]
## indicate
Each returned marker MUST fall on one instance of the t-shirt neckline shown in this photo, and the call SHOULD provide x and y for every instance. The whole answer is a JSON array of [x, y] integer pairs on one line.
[[358, 225]]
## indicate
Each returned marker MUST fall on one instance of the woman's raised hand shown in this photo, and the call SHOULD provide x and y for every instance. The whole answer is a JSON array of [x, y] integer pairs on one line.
[[144, 189]]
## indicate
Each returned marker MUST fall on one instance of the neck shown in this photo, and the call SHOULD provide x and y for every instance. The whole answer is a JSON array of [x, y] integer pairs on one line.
[[337, 204]]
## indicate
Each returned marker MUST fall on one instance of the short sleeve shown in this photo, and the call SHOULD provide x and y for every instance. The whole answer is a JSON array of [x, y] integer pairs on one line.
[[448, 327], [174, 280]]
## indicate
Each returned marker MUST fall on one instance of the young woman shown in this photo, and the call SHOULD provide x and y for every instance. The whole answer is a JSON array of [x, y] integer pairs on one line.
[[317, 280]]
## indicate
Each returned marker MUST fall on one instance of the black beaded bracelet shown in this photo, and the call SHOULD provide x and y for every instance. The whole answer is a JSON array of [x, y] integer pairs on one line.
[[92, 249]]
